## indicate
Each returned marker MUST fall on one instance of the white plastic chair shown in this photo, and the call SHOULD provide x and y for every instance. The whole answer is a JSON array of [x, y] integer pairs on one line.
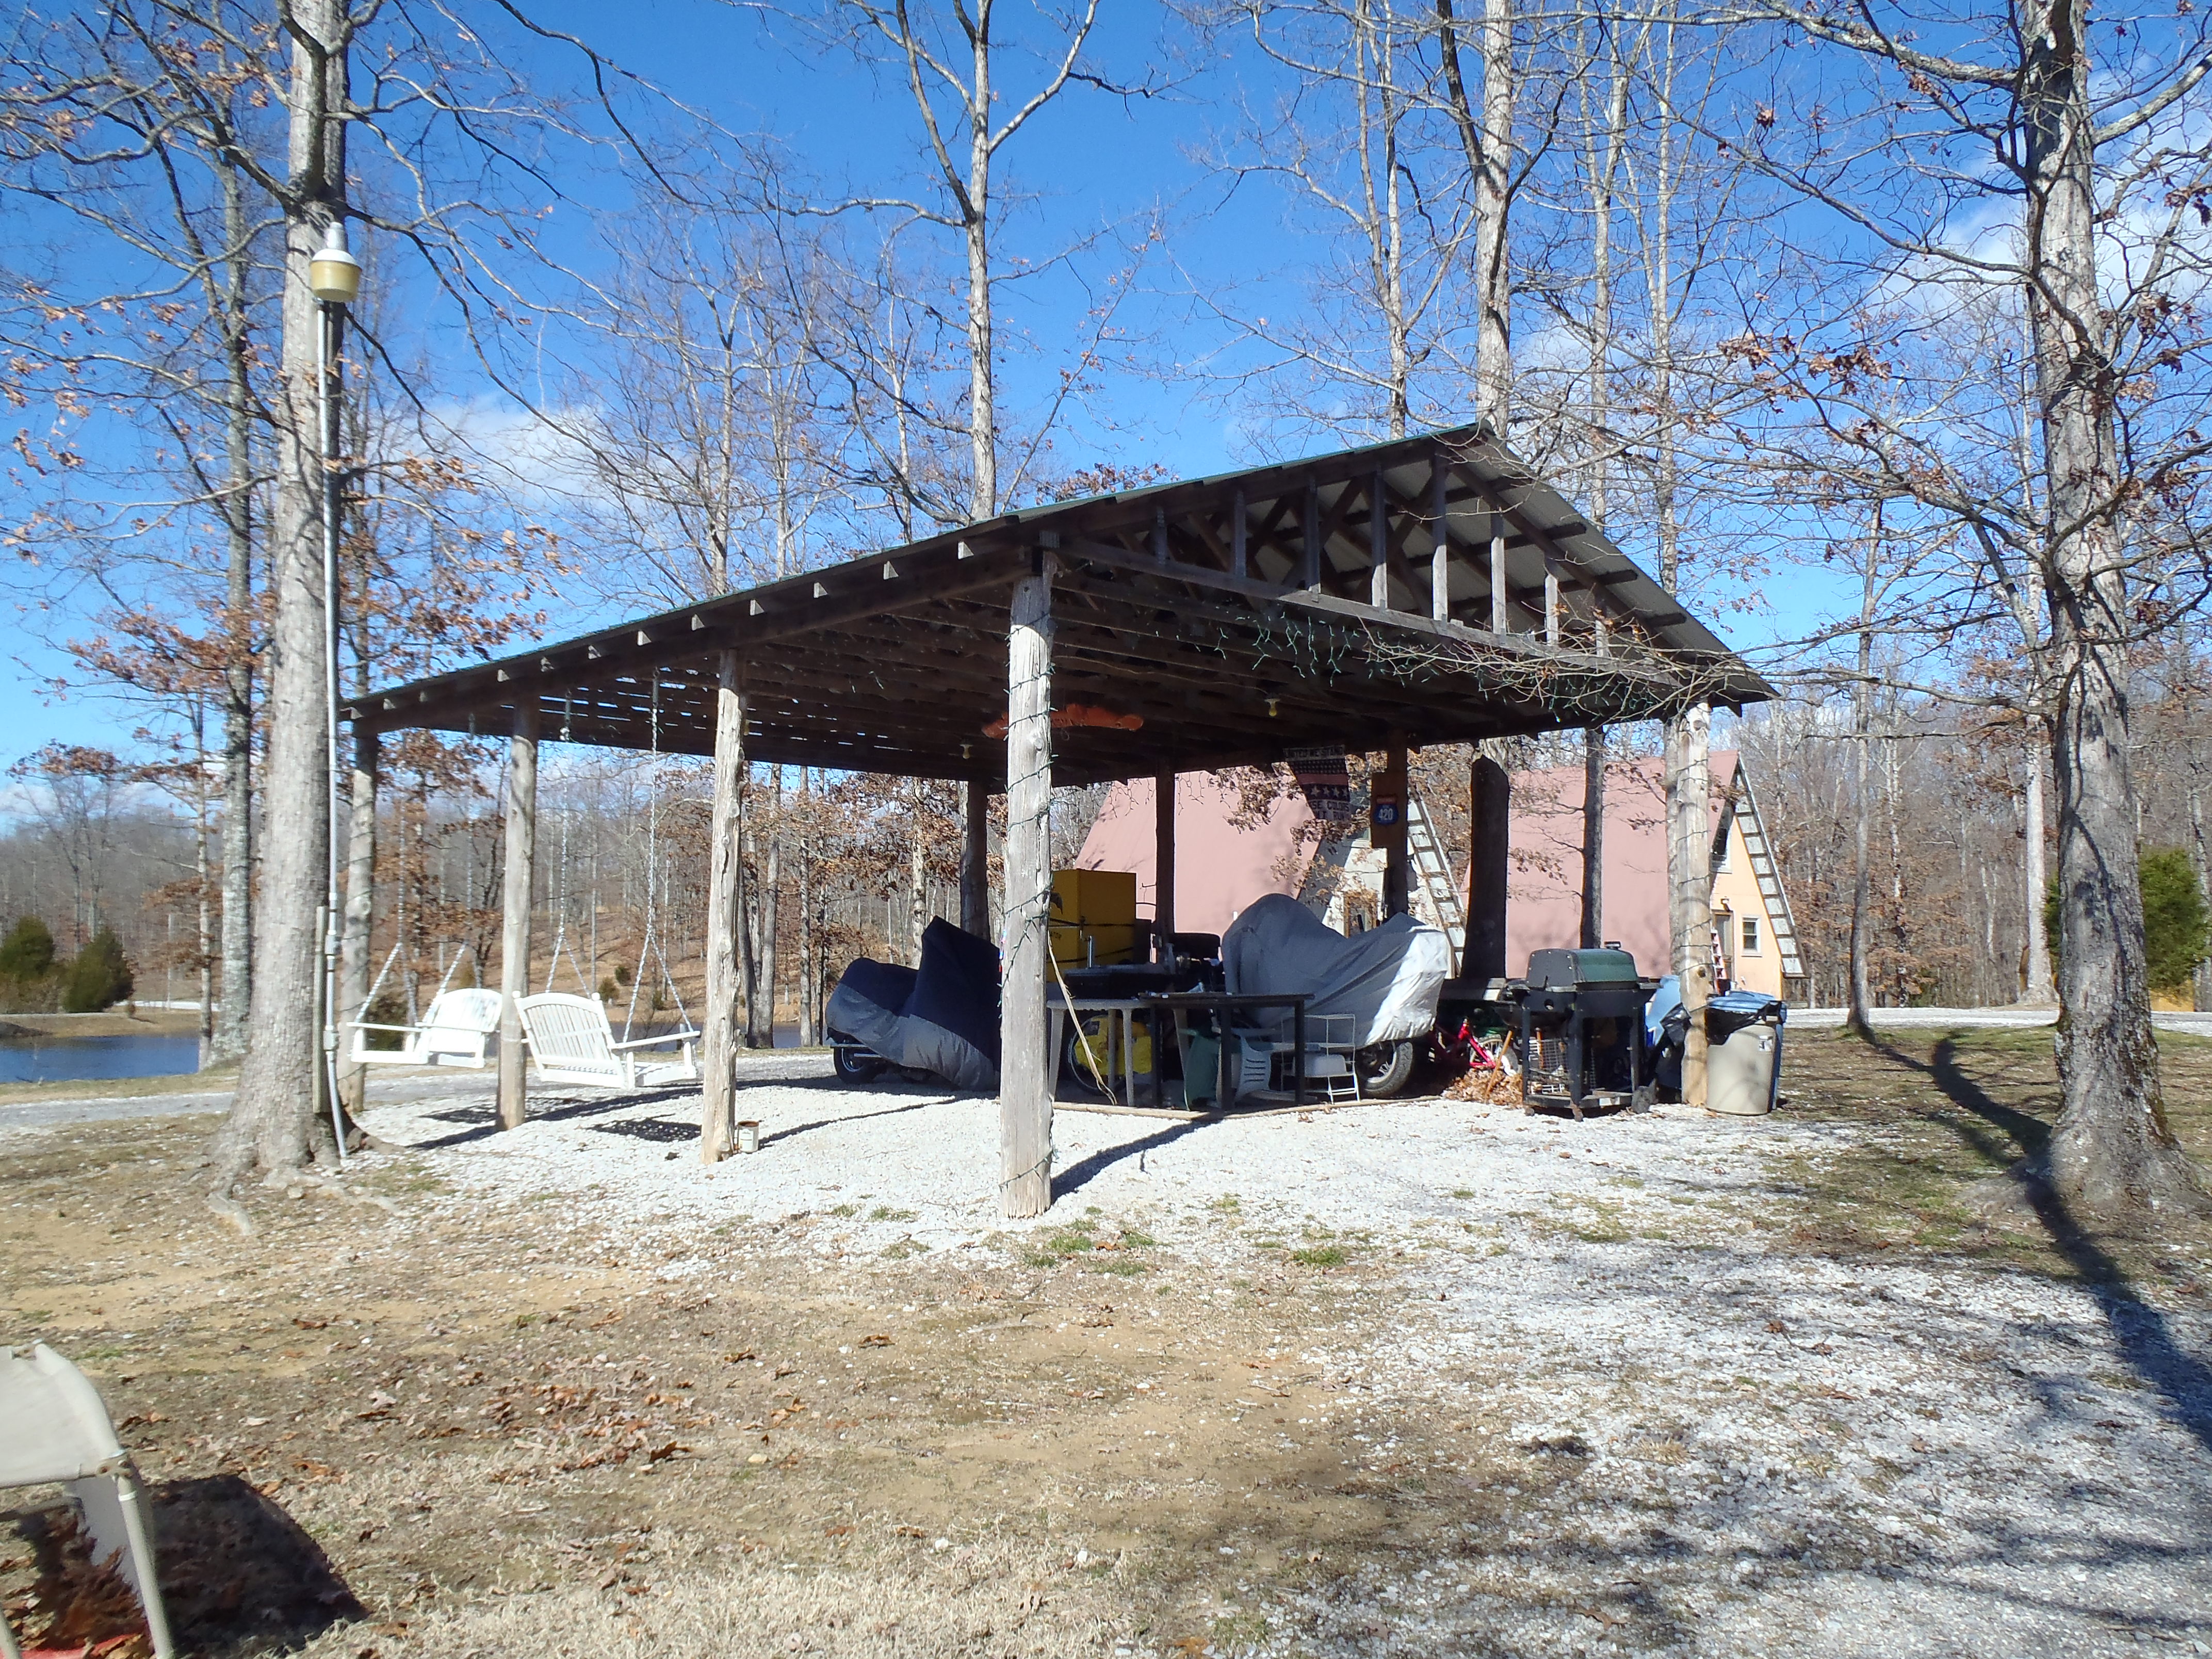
[[57, 1429], [571, 1042], [1332, 1074], [457, 1029]]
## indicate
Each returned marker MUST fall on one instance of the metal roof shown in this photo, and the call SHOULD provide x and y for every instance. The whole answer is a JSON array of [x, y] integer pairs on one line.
[[1221, 620]]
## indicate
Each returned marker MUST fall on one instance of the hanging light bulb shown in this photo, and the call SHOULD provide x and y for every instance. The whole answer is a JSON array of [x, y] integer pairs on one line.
[[334, 274]]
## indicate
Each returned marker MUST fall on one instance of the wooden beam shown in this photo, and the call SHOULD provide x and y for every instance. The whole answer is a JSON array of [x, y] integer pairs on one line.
[[976, 858], [726, 918], [515, 910], [1239, 528], [1440, 531], [1025, 1069], [1387, 827], [1490, 826], [1164, 861], [1497, 618], [1310, 567], [1378, 545]]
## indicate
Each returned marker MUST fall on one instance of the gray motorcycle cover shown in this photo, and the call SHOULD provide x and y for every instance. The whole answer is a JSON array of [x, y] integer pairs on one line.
[[1388, 979]]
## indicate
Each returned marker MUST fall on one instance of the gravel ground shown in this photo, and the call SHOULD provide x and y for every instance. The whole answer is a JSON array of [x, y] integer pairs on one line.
[[1767, 1449]]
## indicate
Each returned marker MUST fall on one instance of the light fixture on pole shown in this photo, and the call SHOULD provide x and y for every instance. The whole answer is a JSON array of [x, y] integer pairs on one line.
[[334, 279], [334, 274]]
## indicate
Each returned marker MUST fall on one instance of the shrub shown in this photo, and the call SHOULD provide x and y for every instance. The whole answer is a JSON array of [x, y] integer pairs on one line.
[[30, 979], [2176, 925], [98, 979], [390, 1008], [28, 951]]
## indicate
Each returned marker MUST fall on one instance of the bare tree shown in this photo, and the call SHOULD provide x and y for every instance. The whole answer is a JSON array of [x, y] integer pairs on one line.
[[950, 63], [2014, 115]]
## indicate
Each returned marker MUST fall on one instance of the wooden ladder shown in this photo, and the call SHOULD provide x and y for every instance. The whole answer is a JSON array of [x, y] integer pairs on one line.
[[1434, 874]]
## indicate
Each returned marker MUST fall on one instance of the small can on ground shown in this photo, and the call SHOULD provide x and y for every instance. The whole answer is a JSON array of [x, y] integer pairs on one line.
[[749, 1135]]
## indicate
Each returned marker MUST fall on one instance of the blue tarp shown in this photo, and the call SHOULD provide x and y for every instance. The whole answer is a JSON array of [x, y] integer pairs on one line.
[[941, 1017]]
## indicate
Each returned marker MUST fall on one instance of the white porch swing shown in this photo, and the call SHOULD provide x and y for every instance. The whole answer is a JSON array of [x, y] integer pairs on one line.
[[571, 1039], [458, 1030]]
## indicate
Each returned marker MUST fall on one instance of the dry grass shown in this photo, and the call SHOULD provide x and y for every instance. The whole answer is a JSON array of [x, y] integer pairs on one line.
[[916, 1603], [491, 1429]]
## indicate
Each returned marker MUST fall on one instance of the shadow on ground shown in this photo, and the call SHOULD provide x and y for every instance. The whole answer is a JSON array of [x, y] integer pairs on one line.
[[2145, 1336], [237, 1575]]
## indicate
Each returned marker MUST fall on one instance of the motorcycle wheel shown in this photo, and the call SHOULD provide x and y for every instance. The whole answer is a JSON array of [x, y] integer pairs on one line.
[[851, 1063], [1385, 1068]]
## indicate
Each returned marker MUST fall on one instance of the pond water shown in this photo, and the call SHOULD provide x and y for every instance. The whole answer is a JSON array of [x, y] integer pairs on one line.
[[73, 1058]]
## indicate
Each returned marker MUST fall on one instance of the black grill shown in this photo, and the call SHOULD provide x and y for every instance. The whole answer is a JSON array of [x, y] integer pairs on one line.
[[1581, 1028]]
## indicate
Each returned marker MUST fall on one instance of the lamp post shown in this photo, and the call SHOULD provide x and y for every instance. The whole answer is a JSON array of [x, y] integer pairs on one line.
[[334, 279]]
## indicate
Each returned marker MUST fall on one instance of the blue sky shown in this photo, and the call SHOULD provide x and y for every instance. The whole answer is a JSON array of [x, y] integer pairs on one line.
[[1093, 165]]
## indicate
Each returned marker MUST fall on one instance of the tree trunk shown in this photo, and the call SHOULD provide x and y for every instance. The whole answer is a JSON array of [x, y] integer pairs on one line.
[[2112, 1152], [2200, 856], [236, 1012], [1861, 999], [1487, 141], [274, 1123], [2040, 988], [1493, 351], [982, 404]]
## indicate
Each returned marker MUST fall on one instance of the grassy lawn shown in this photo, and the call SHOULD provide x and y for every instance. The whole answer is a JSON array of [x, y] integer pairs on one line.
[[1935, 1112]]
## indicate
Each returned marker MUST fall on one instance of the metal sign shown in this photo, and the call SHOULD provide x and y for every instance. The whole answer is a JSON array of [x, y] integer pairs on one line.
[[1326, 781]]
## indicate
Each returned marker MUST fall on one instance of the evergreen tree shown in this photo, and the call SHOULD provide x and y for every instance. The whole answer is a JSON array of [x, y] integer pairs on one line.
[[98, 979], [28, 953], [2177, 928]]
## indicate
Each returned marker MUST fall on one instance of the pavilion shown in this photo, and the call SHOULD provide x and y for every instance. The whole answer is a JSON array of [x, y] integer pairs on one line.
[[1432, 589]]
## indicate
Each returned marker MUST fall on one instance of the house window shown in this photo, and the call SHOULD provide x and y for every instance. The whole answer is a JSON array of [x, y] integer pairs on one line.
[[1358, 912], [1750, 936]]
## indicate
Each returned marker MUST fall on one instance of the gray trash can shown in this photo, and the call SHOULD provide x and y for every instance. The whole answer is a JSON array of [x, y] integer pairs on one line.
[[1743, 1053]]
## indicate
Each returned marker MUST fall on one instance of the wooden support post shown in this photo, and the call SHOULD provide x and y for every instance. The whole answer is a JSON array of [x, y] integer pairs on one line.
[[1309, 575], [1498, 622], [515, 895], [360, 917], [1593, 928], [726, 997], [1378, 545], [975, 859], [1440, 553], [1238, 563], [1490, 811], [1552, 608], [1025, 1069], [1159, 535], [1164, 862], [1390, 836]]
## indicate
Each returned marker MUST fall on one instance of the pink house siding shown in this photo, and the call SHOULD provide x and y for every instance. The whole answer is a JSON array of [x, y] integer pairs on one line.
[[1543, 887], [1219, 868]]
